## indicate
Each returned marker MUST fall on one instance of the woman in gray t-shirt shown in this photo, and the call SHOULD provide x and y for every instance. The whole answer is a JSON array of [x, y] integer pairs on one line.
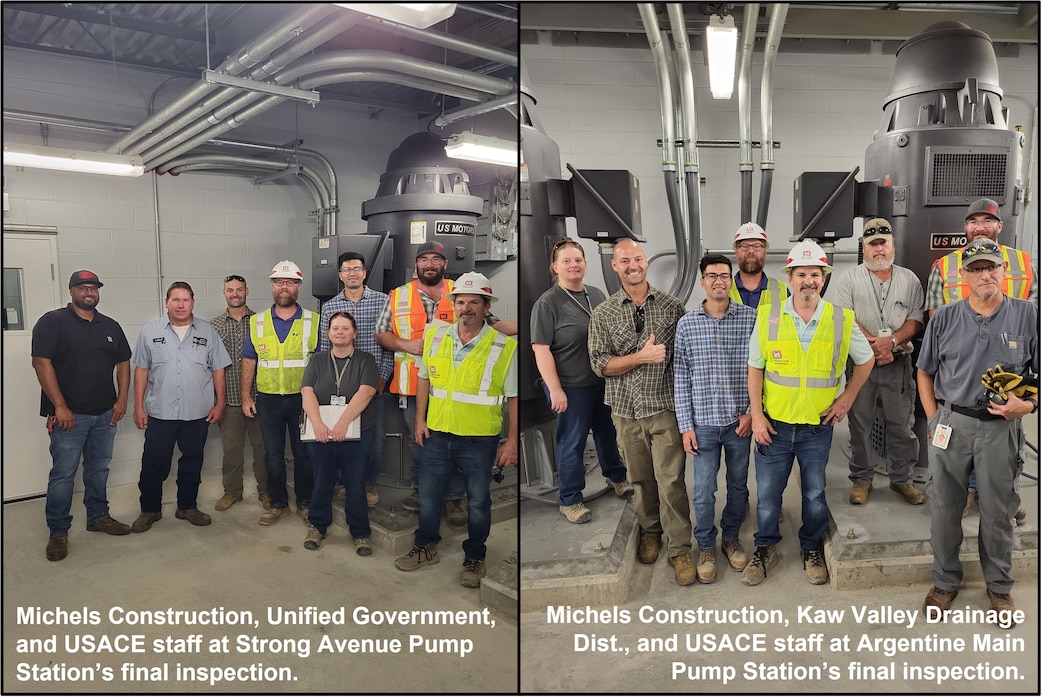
[[341, 376]]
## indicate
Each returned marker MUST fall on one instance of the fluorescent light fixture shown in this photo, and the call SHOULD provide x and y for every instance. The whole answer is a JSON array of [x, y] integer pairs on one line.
[[215, 78], [721, 36], [483, 149], [74, 161], [421, 15]]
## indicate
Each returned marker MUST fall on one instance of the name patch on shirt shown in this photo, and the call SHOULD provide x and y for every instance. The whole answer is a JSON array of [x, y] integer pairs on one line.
[[160, 340], [197, 341]]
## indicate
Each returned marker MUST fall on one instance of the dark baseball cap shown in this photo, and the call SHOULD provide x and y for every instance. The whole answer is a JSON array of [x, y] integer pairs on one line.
[[84, 277], [984, 206], [430, 247]]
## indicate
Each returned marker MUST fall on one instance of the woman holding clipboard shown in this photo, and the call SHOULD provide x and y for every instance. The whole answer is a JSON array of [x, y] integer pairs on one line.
[[336, 394]]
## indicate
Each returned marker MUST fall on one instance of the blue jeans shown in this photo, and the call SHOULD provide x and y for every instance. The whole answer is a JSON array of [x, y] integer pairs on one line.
[[809, 444], [347, 459], [280, 415], [474, 456], [377, 450], [712, 442], [456, 486], [585, 412], [160, 439], [92, 438]]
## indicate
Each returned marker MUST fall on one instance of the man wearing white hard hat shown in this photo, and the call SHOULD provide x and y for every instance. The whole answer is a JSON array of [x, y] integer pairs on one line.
[[750, 282], [466, 374], [796, 362], [277, 348]]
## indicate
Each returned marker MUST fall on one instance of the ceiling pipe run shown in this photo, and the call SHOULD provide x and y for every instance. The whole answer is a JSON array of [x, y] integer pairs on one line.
[[778, 11], [744, 107]]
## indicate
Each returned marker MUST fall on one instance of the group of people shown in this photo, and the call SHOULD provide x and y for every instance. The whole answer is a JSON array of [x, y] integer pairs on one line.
[[262, 376], [765, 359]]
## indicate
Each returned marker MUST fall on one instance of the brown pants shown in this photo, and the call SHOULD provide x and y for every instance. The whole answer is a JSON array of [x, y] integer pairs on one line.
[[235, 427]]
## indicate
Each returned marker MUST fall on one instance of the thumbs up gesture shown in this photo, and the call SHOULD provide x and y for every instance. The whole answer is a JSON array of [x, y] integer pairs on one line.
[[651, 353]]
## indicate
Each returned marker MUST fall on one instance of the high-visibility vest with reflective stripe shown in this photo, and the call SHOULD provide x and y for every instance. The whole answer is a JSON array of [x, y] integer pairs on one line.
[[774, 288], [281, 366], [1016, 280], [799, 384], [467, 399], [408, 322]]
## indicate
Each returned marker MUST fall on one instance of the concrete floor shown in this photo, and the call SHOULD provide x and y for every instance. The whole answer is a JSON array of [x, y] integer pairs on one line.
[[565, 657], [238, 565]]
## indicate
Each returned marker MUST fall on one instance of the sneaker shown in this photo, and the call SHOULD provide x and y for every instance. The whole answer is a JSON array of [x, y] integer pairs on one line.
[[475, 569], [971, 498], [57, 548], [686, 572], [649, 548], [910, 493], [764, 559], [265, 502], [1021, 516], [859, 493], [411, 501], [227, 501], [372, 495], [621, 488], [145, 521], [109, 526], [417, 557], [735, 554], [706, 571], [940, 598], [1002, 602], [457, 512], [576, 513], [272, 516], [816, 571], [194, 516], [362, 545], [313, 537]]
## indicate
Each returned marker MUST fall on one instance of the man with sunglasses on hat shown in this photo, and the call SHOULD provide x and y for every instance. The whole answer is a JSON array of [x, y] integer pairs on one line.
[[970, 432], [946, 285], [887, 301], [233, 325]]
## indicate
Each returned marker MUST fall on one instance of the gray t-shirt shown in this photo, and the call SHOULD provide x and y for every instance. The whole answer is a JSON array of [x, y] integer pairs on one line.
[[361, 370], [559, 319], [960, 345], [877, 304]]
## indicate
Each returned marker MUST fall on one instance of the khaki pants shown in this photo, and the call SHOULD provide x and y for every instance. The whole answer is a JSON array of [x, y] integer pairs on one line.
[[653, 453], [235, 427]]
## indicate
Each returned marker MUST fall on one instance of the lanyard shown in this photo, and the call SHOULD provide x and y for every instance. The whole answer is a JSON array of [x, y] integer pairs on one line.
[[588, 309], [880, 298], [339, 374]]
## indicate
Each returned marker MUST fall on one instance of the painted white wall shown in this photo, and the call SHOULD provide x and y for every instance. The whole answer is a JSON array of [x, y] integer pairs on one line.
[[210, 225], [601, 106]]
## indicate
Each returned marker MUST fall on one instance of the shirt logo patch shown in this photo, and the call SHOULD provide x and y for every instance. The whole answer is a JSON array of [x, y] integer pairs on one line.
[[261, 347], [776, 354]]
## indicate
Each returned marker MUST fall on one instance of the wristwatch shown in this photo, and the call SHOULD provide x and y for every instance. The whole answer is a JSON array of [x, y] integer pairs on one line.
[[893, 340]]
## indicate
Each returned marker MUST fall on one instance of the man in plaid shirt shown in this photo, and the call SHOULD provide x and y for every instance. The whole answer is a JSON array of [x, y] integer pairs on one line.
[[630, 343]]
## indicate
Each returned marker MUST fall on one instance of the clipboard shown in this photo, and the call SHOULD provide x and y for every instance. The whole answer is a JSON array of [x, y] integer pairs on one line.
[[329, 415]]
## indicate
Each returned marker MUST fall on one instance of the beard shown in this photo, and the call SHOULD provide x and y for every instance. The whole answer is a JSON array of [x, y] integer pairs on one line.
[[85, 304], [750, 265], [430, 277], [879, 265]]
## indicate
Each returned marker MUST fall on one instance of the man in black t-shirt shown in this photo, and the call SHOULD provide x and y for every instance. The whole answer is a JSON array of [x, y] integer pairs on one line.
[[75, 350]]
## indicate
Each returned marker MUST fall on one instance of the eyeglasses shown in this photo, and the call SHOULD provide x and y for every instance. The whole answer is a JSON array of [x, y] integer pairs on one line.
[[640, 319], [978, 271], [881, 229], [980, 223], [713, 276], [352, 270], [237, 278], [286, 283], [751, 247]]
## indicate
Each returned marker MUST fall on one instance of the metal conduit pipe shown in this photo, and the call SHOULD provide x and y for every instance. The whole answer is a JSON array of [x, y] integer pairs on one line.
[[506, 102], [475, 9], [766, 165], [309, 40], [744, 107], [446, 41], [276, 36]]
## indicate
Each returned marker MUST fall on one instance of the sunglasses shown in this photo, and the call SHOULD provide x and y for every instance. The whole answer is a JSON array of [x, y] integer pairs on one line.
[[982, 249], [640, 319], [237, 278], [881, 229]]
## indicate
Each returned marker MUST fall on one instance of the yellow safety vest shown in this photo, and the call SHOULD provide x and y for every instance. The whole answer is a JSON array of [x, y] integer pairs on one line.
[[467, 399], [798, 385], [408, 322], [1016, 280], [774, 288], [281, 366]]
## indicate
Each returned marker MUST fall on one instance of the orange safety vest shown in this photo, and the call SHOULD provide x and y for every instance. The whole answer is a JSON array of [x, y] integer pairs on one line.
[[1016, 280], [409, 321]]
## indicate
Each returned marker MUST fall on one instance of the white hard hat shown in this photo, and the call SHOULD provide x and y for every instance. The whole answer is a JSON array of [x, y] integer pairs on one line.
[[750, 231], [807, 253], [473, 283], [285, 270]]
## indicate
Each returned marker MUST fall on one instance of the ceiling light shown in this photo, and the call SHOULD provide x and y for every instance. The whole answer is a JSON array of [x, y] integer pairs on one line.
[[74, 161], [421, 15], [721, 36], [484, 149]]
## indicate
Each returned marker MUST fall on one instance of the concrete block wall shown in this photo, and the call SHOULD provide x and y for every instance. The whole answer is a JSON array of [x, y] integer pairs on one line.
[[601, 106]]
